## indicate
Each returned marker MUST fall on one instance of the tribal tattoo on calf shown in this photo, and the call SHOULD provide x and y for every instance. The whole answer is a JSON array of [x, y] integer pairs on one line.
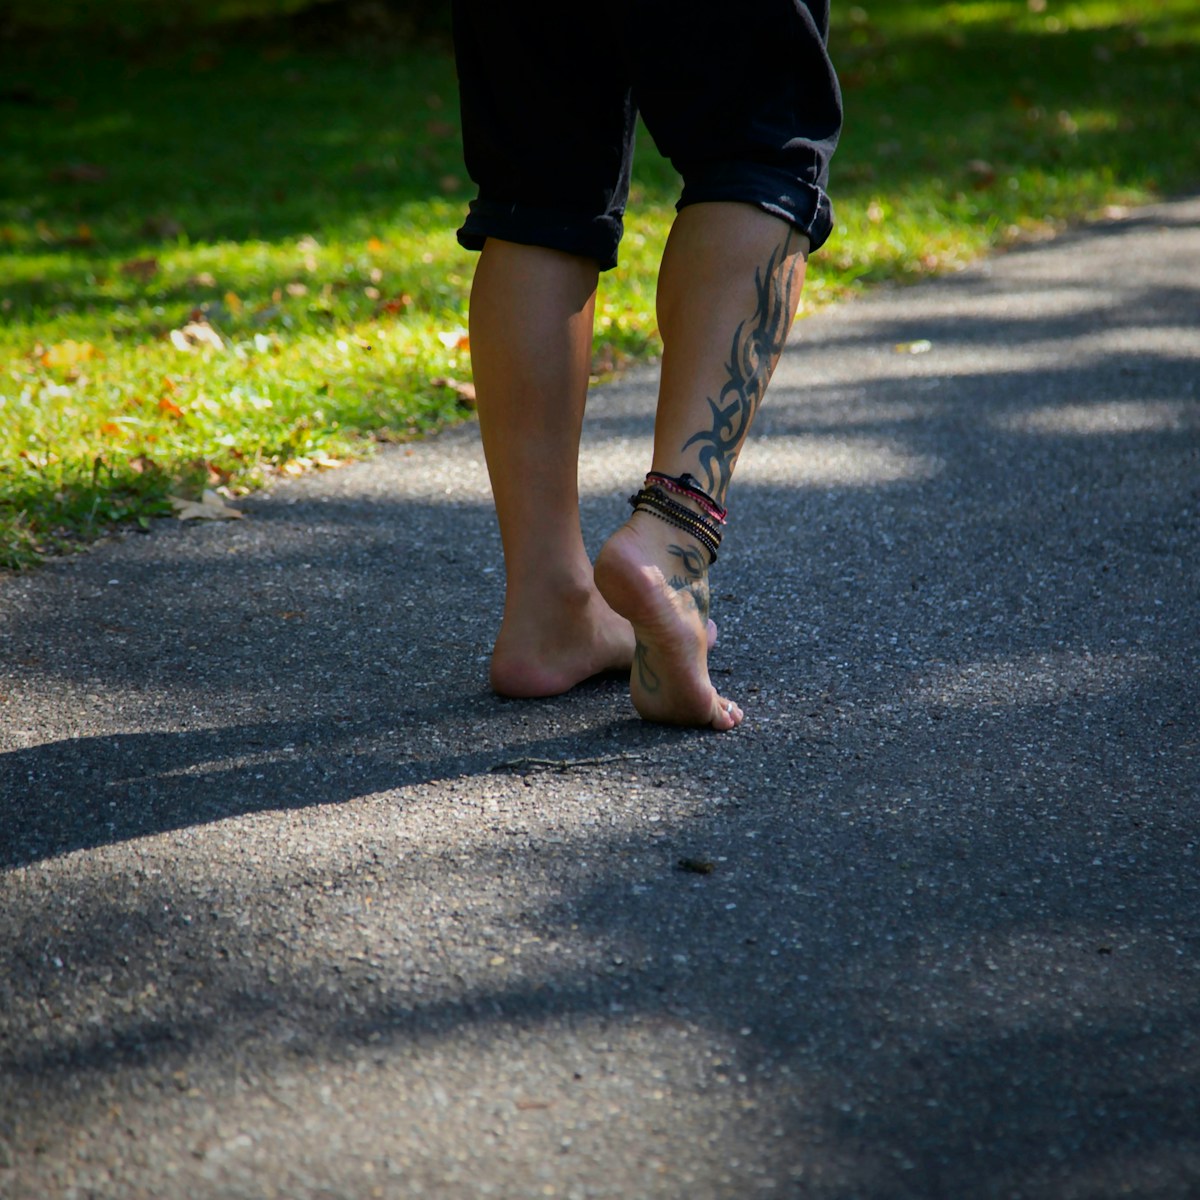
[[757, 343]]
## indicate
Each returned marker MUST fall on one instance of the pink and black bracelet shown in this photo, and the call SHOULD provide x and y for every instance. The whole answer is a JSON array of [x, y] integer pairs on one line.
[[654, 500], [688, 485]]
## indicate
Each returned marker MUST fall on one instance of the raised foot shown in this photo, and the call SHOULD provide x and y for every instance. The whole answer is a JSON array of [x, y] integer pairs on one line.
[[656, 578]]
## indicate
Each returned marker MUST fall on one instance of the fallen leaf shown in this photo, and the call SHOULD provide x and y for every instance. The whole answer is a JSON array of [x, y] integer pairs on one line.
[[203, 279], [375, 246], [140, 269], [196, 334], [168, 406], [68, 354], [464, 391], [455, 339], [396, 304], [297, 289], [233, 302], [210, 507]]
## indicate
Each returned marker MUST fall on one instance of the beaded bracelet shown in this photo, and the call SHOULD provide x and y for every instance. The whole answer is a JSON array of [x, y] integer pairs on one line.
[[688, 485], [655, 501]]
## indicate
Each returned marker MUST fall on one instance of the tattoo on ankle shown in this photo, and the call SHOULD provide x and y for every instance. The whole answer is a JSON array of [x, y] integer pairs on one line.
[[693, 580], [757, 343], [647, 676]]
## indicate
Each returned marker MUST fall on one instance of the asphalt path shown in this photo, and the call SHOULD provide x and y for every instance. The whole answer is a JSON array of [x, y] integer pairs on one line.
[[291, 906]]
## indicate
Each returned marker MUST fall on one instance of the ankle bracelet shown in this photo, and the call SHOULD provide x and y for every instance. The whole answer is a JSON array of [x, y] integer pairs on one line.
[[655, 501], [688, 485]]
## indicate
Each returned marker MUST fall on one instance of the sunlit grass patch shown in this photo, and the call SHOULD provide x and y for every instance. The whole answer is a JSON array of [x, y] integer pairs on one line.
[[221, 259]]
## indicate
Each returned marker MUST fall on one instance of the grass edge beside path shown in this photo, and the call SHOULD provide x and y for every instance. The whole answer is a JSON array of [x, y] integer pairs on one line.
[[235, 261]]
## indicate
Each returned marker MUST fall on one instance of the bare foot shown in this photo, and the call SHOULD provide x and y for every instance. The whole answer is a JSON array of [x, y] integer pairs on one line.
[[657, 577], [546, 648]]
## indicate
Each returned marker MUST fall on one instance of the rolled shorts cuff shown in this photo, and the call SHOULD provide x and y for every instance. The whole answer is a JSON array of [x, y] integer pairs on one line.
[[804, 205], [555, 229]]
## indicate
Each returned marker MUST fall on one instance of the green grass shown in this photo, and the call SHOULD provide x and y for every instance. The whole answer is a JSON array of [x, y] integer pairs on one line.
[[301, 203]]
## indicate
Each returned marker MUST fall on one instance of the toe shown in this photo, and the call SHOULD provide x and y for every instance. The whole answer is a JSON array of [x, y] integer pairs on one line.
[[726, 715]]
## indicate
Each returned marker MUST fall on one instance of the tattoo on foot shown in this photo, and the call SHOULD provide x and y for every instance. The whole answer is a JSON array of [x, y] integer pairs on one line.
[[693, 580], [757, 343], [647, 676]]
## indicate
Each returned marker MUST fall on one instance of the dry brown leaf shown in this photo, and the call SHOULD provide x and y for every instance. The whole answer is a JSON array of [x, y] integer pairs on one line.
[[463, 390], [196, 334], [140, 269], [210, 507], [68, 354]]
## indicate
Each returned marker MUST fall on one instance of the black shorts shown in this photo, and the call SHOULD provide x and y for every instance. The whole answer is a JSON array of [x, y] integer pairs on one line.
[[740, 95]]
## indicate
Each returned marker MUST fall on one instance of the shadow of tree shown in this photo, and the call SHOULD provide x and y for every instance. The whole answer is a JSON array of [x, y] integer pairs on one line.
[[947, 945]]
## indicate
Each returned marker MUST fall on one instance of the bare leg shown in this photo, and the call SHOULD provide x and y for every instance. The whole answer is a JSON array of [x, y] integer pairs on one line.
[[727, 295], [531, 345]]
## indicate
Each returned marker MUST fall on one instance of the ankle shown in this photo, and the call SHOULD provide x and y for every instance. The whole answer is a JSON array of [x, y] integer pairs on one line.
[[686, 489], [689, 512], [533, 594]]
